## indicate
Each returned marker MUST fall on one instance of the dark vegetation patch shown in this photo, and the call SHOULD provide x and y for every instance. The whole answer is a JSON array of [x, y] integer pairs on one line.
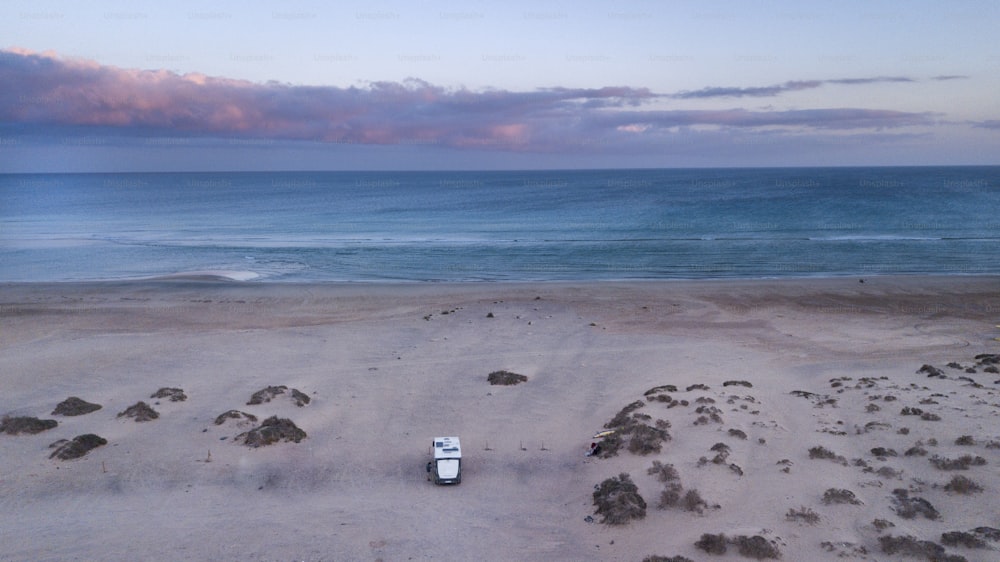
[[240, 417], [909, 507], [737, 433], [654, 558], [632, 432], [803, 514], [961, 463], [965, 440], [961, 485], [618, 501], [140, 411], [698, 386], [737, 383], [914, 547], [74, 406], [268, 393], [663, 472], [78, 447], [173, 394], [840, 496], [962, 538], [756, 547], [883, 452], [272, 430], [820, 452], [931, 371], [660, 389], [24, 424], [505, 378]]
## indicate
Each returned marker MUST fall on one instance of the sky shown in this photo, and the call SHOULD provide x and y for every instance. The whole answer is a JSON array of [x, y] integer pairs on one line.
[[115, 85]]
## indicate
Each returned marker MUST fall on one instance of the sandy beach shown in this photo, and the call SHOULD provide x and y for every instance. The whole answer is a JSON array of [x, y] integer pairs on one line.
[[800, 411]]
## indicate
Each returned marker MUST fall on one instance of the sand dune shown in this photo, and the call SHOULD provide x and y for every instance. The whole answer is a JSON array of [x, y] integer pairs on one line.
[[828, 442]]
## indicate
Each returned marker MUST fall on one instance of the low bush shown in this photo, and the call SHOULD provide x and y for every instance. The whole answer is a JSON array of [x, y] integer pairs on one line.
[[961, 463], [962, 485], [961, 538], [840, 496], [618, 501], [23, 424], [803, 514], [663, 472], [712, 544], [756, 547]]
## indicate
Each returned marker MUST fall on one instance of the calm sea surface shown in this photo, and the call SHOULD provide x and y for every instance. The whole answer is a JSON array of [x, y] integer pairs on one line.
[[502, 226]]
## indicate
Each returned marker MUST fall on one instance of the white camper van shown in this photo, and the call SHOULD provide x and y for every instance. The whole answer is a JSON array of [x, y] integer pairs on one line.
[[446, 467]]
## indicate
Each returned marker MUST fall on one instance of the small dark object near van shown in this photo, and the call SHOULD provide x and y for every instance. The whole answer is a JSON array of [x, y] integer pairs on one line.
[[505, 378]]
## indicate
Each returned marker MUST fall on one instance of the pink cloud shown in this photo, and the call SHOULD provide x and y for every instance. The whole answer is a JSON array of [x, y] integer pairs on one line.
[[46, 92]]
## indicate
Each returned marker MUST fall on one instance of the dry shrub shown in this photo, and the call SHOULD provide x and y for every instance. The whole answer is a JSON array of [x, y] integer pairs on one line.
[[928, 416], [266, 394], [882, 524], [756, 547], [74, 406], [670, 496], [663, 472], [237, 415], [916, 451], [174, 394], [962, 485], [712, 544], [140, 412], [697, 387], [803, 514], [693, 501], [961, 463], [888, 472], [820, 452], [883, 452], [911, 546], [961, 538], [623, 417], [661, 388], [738, 383], [79, 446], [272, 430], [505, 378], [965, 440], [737, 433], [24, 424], [909, 508], [840, 496], [646, 439], [618, 501], [666, 559]]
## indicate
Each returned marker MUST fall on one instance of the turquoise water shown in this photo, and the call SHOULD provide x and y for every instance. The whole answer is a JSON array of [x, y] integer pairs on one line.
[[496, 226]]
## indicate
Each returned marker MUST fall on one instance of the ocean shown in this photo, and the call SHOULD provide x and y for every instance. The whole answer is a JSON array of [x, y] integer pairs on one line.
[[502, 226]]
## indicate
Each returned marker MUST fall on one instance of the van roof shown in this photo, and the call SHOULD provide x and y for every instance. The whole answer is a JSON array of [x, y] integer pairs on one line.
[[447, 448]]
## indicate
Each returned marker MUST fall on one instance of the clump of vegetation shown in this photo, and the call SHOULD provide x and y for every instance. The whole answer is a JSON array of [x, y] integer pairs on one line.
[[697, 387], [74, 406], [909, 508], [693, 502], [928, 416], [882, 524], [241, 417], [78, 447], [820, 452], [666, 559], [618, 501], [632, 432], [961, 538], [965, 440], [268, 393], [883, 452], [961, 463], [24, 424], [140, 412], [659, 389], [663, 472], [737, 383], [803, 514], [713, 544], [756, 547], [911, 546], [737, 433], [174, 394], [840, 496], [916, 450], [505, 378], [888, 472], [272, 430], [961, 485], [908, 411]]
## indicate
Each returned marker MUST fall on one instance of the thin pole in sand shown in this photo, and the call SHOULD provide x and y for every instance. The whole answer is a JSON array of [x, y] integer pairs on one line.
[[521, 445], [104, 469], [209, 458], [487, 448], [543, 446]]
